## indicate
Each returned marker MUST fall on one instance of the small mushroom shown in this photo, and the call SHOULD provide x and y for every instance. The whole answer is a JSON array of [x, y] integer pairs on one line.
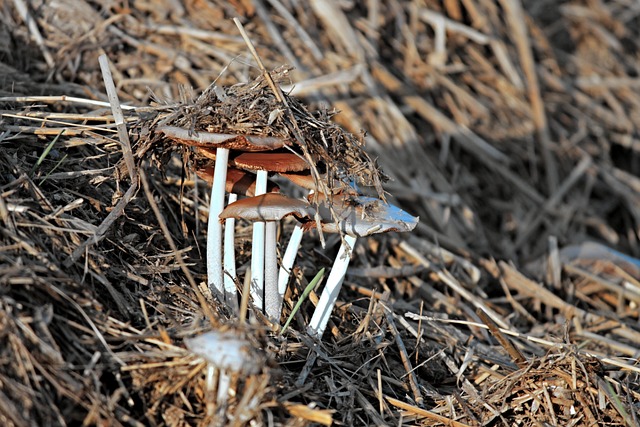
[[270, 208], [222, 143], [263, 163], [228, 353], [242, 183], [356, 217]]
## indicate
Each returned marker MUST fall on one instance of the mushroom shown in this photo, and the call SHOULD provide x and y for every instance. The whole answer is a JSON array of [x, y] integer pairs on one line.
[[264, 268], [222, 143], [269, 208], [228, 353], [357, 216], [305, 180], [237, 182]]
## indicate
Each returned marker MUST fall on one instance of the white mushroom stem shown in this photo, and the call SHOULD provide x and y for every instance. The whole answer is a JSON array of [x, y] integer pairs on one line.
[[272, 297], [215, 275], [288, 259], [257, 249], [210, 385], [224, 383], [231, 293], [331, 290]]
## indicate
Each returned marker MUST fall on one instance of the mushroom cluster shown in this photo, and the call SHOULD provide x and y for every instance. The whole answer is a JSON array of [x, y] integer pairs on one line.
[[239, 139]]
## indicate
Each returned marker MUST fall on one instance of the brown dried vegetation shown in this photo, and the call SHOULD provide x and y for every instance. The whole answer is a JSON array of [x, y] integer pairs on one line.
[[512, 132]]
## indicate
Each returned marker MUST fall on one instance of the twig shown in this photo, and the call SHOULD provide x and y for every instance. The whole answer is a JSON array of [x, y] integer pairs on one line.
[[404, 356], [515, 354], [115, 213], [518, 27], [123, 135], [61, 98]]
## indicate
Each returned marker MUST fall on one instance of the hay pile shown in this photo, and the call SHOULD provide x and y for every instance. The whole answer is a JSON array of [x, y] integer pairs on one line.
[[512, 132]]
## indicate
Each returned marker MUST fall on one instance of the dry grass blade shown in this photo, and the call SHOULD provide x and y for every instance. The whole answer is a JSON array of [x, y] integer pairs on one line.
[[119, 118], [515, 354]]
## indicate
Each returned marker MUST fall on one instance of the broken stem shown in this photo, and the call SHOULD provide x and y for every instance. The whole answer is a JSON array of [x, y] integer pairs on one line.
[[289, 258], [331, 290]]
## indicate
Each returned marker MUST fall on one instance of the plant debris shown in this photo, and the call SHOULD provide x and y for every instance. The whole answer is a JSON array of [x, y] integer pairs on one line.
[[252, 109], [510, 128]]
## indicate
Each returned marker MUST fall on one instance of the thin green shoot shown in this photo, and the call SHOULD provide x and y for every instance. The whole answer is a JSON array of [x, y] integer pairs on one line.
[[314, 282], [45, 153], [53, 169], [615, 400]]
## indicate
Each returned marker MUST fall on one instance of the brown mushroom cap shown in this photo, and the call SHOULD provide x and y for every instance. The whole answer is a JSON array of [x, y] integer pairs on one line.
[[272, 162], [362, 216], [209, 153], [238, 181], [223, 140], [281, 162], [301, 179], [268, 207], [305, 180]]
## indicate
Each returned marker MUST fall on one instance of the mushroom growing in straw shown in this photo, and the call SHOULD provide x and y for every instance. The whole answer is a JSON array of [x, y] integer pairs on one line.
[[229, 354], [264, 267], [279, 162], [222, 143], [356, 216], [243, 183]]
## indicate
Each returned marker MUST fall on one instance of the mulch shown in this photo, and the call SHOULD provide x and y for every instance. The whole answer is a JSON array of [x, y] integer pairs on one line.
[[509, 128]]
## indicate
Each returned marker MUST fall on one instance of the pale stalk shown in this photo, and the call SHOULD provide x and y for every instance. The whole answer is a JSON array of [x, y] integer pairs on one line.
[[231, 293], [215, 274], [272, 298], [257, 249], [288, 259], [331, 290]]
